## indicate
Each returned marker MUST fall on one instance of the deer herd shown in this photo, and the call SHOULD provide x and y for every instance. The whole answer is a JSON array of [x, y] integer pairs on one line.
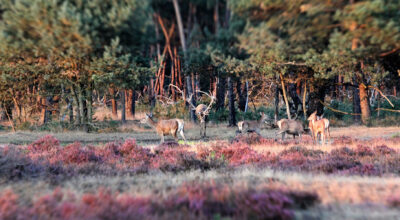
[[318, 126]]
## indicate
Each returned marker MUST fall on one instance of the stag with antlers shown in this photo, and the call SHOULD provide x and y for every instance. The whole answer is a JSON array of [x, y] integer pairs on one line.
[[201, 110]]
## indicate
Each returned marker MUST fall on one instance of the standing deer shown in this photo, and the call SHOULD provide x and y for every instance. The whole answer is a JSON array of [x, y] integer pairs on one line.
[[318, 127], [289, 126], [202, 112], [326, 122], [166, 127], [252, 126]]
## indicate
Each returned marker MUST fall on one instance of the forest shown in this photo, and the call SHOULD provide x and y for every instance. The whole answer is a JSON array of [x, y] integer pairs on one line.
[[62, 60]]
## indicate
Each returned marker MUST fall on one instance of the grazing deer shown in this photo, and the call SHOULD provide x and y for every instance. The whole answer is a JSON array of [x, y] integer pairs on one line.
[[289, 126], [317, 127], [166, 127], [252, 126], [202, 112]]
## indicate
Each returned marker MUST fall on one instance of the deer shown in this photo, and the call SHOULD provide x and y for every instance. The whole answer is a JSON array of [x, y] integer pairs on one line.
[[252, 126], [166, 127], [318, 126], [202, 111], [289, 126], [326, 122]]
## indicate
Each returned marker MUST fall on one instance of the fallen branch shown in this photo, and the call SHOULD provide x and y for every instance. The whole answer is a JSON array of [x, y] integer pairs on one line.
[[380, 92], [336, 110]]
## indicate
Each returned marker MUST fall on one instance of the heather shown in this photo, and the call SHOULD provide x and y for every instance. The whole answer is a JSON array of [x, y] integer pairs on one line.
[[47, 158], [202, 201]]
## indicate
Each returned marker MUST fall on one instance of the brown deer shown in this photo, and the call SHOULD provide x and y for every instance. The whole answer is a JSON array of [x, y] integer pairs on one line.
[[326, 122], [252, 126], [289, 126], [317, 127], [202, 112], [166, 127]]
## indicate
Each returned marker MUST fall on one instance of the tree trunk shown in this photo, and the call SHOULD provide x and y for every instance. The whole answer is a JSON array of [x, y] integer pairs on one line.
[[132, 100], [304, 100], [190, 93], [81, 106], [247, 96], [75, 100], [241, 96], [232, 118], [276, 113], [285, 97], [220, 103], [89, 99], [216, 16], [152, 99], [123, 107], [356, 105], [364, 104], [316, 95], [293, 93], [189, 90], [70, 109], [113, 103], [180, 25]]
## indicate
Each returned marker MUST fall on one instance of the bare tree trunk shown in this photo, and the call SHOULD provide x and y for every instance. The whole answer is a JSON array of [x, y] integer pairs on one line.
[[131, 103], [221, 89], [364, 104], [190, 93], [241, 95], [276, 113], [89, 100], [232, 118], [113, 102], [81, 106], [356, 104], [216, 16], [180, 25], [71, 110], [75, 100], [247, 96], [285, 97], [152, 99], [123, 107]]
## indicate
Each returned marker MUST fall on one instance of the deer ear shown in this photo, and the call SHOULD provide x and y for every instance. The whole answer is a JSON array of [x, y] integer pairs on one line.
[[261, 113]]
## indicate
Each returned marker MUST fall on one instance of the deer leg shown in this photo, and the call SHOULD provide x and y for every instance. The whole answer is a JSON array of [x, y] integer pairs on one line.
[[162, 138], [283, 136], [174, 135], [205, 128], [329, 136], [183, 135]]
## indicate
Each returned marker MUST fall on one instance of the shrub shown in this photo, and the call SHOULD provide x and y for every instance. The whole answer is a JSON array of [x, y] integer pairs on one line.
[[46, 143], [363, 151], [384, 150], [76, 154]]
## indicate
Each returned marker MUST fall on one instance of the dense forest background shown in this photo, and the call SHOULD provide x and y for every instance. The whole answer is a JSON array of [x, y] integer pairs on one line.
[[60, 60]]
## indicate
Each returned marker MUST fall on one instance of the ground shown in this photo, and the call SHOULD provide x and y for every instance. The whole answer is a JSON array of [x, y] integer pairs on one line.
[[340, 196]]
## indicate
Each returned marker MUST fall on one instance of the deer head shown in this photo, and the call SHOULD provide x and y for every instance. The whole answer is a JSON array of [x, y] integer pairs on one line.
[[313, 116]]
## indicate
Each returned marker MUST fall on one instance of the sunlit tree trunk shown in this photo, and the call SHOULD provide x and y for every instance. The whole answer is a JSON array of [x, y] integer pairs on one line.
[[180, 24], [123, 107], [113, 103]]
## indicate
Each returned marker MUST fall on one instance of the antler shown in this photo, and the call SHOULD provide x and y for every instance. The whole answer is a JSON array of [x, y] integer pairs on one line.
[[206, 112], [189, 100]]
